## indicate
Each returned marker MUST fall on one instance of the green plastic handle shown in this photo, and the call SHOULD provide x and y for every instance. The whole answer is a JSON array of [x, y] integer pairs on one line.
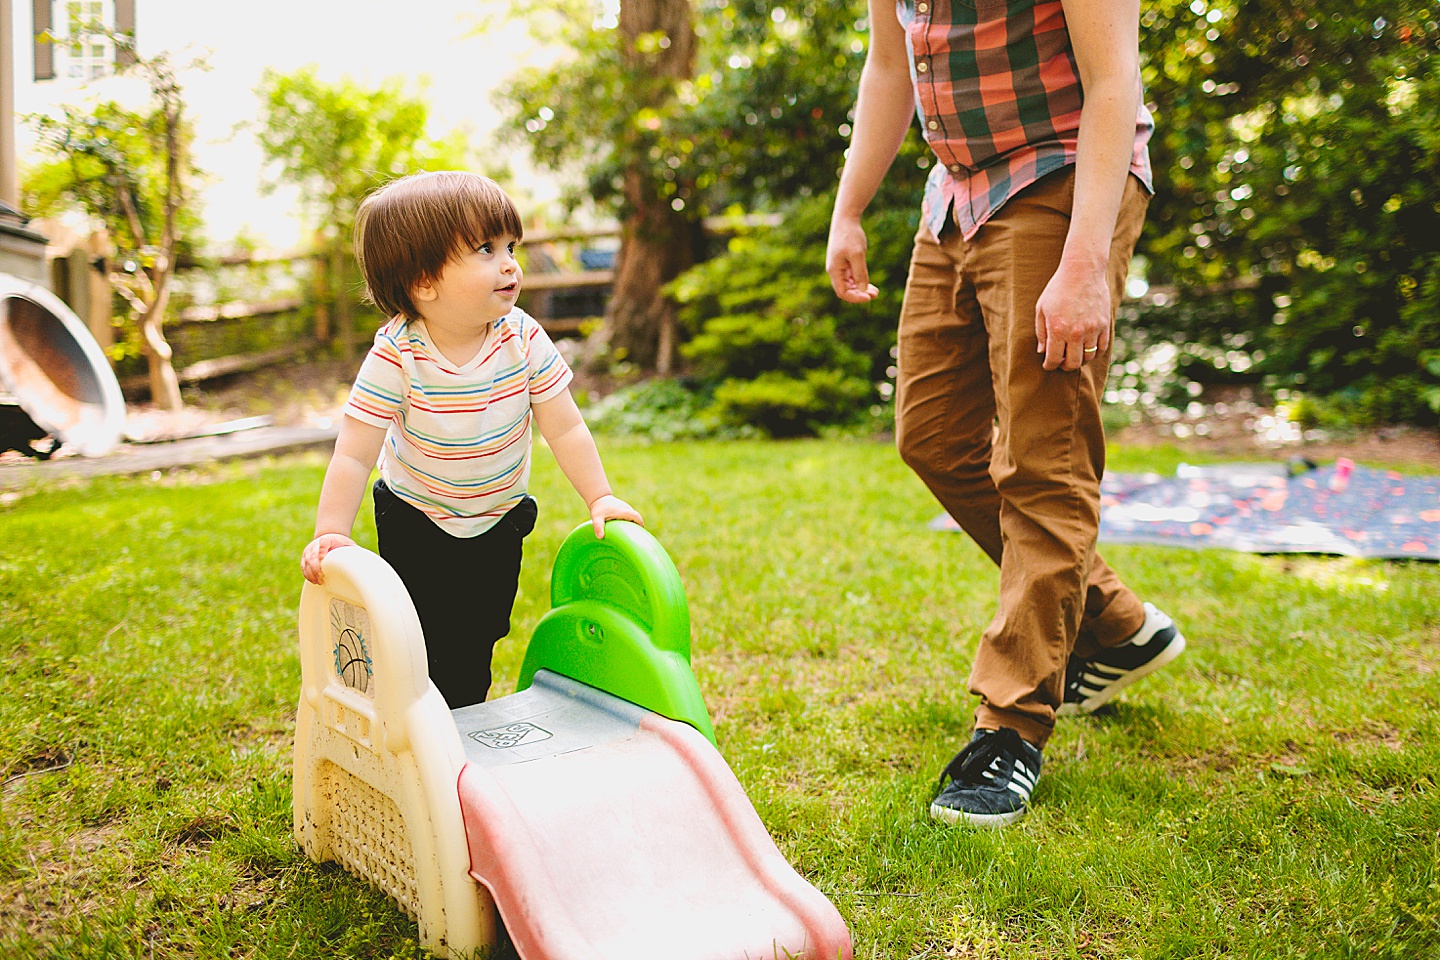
[[619, 622]]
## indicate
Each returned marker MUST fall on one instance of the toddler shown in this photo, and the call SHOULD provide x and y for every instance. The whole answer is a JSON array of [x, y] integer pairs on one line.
[[445, 400]]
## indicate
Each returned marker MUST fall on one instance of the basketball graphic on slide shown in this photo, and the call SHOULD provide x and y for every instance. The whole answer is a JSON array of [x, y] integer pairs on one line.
[[349, 626]]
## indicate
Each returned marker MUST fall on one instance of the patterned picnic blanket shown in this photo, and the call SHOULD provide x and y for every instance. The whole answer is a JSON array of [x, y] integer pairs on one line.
[[1260, 508]]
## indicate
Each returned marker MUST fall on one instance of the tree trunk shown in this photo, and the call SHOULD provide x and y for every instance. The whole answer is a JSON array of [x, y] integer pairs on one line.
[[343, 316], [320, 295], [164, 385], [656, 246], [320, 287], [656, 241]]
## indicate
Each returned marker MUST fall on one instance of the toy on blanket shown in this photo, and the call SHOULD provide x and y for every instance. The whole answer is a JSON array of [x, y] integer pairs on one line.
[[590, 807]]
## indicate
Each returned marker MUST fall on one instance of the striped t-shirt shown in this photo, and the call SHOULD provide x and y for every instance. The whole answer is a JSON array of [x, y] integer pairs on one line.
[[998, 95], [457, 439]]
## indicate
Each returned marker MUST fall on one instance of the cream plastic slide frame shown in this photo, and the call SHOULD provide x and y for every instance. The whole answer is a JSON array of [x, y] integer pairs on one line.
[[376, 763]]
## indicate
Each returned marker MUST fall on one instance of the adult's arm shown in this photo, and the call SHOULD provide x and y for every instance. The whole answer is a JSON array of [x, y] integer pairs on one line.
[[1072, 318], [883, 110]]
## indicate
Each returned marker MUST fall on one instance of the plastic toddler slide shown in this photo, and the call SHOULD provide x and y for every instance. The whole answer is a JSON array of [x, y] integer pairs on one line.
[[591, 807]]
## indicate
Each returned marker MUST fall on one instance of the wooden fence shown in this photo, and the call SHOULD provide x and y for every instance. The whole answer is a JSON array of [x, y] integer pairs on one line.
[[239, 313], [248, 311]]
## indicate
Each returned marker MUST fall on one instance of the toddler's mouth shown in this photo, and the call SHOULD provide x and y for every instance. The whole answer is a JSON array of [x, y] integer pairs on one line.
[[508, 288]]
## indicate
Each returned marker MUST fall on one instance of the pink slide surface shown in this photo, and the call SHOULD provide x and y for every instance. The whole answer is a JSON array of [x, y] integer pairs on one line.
[[641, 847]]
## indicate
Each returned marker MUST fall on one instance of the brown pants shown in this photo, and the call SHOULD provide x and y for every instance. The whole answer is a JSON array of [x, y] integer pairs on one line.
[[1031, 496]]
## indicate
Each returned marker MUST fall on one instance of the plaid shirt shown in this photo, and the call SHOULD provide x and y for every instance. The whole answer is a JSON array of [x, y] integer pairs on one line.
[[998, 95]]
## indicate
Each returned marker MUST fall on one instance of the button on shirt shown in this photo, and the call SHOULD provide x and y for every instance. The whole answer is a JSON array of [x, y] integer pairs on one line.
[[998, 95]]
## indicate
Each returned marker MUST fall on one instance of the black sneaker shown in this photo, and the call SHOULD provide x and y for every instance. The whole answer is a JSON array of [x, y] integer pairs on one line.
[[1089, 683], [990, 780]]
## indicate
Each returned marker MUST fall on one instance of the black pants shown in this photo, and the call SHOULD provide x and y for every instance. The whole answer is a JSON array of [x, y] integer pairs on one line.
[[463, 587]]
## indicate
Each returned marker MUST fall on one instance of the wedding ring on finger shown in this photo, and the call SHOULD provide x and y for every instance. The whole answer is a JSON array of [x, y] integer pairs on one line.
[[1091, 349]]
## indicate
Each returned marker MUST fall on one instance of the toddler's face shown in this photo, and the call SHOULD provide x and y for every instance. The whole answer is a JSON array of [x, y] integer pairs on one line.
[[482, 281]]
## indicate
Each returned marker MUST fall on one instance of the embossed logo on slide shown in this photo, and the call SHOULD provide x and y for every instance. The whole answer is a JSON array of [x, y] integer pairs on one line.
[[511, 735]]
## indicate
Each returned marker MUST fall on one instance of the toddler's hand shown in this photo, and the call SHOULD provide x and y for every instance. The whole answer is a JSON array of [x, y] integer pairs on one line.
[[315, 552], [611, 507]]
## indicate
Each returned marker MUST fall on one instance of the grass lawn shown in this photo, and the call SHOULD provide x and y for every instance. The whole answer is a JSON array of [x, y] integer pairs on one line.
[[1272, 794]]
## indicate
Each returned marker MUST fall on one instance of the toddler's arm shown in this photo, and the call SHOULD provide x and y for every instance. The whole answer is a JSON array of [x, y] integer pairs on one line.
[[356, 450], [564, 429]]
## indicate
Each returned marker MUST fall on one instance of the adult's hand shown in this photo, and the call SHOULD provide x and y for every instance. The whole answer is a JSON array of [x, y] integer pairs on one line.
[[1072, 316], [845, 261]]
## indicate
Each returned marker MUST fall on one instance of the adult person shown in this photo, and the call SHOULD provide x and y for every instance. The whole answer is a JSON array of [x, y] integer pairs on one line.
[[1033, 110]]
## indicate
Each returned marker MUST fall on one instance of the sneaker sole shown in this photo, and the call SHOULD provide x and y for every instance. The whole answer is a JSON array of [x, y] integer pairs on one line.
[[1091, 704], [986, 820]]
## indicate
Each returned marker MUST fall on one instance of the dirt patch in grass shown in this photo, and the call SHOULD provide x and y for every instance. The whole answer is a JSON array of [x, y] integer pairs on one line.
[[47, 855], [266, 738], [249, 895], [1372, 733], [1422, 657], [203, 830], [48, 891], [48, 759], [1221, 758]]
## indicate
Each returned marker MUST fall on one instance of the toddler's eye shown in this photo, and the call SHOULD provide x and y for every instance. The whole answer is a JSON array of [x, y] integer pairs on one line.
[[483, 248]]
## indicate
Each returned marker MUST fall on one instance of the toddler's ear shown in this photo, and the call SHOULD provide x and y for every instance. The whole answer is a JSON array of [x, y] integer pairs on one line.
[[423, 291]]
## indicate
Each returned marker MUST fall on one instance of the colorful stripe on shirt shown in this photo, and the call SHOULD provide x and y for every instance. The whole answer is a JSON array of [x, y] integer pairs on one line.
[[457, 442]]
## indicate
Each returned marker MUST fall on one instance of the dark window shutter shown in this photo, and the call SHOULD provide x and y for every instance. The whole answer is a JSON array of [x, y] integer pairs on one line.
[[44, 49], [125, 24]]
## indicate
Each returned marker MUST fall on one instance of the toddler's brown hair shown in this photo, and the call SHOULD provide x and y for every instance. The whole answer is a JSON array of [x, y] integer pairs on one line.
[[406, 231]]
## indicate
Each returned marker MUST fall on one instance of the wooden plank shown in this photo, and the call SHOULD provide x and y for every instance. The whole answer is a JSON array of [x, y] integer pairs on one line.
[[566, 281], [560, 234], [222, 366], [266, 441], [239, 310], [566, 326], [259, 256], [717, 224]]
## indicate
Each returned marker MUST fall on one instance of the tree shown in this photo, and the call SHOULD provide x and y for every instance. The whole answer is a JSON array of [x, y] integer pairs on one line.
[[129, 170], [657, 242], [1298, 196], [768, 334], [763, 125], [1296, 156], [758, 117], [336, 142], [604, 110]]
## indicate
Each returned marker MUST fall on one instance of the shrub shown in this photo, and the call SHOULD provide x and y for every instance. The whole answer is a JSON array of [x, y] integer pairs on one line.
[[768, 335], [659, 409], [787, 406], [1298, 194]]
